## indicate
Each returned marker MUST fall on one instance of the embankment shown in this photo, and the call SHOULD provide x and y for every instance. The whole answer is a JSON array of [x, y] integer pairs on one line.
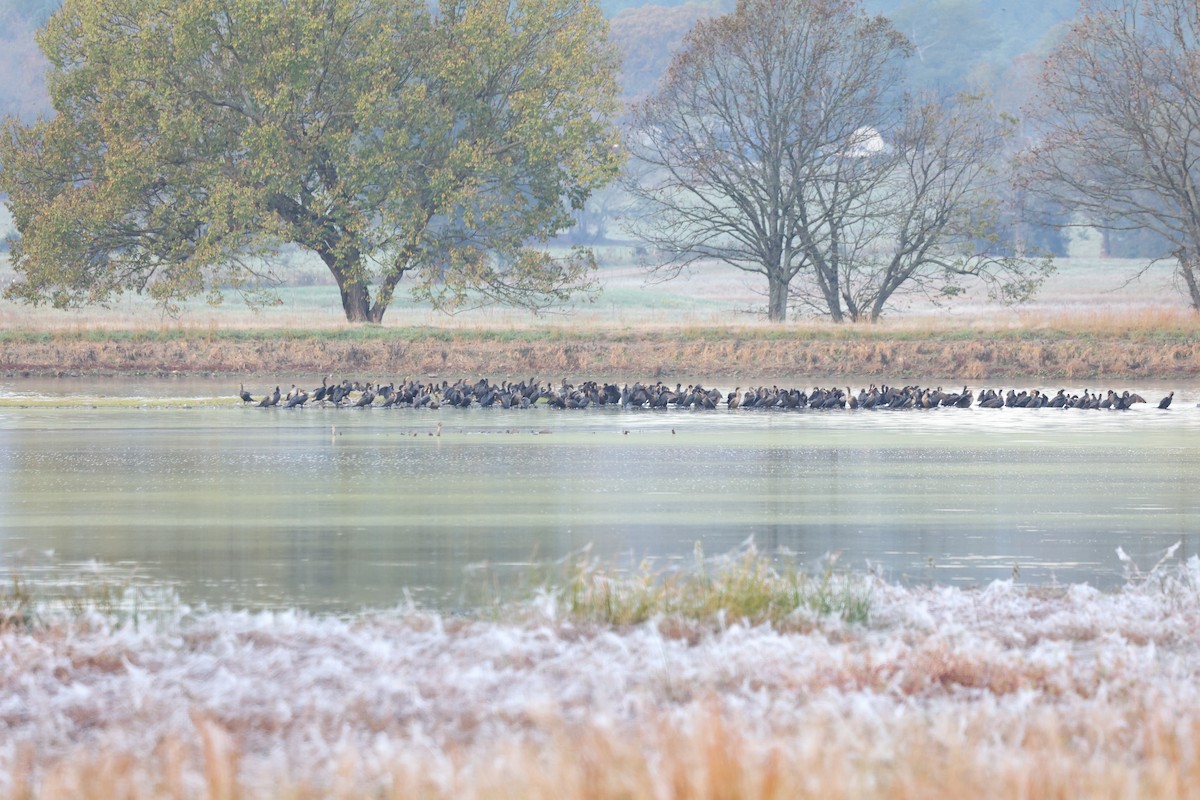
[[759, 354]]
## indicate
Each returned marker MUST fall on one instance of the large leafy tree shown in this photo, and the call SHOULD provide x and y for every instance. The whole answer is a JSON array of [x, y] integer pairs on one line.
[[1119, 111], [781, 143], [385, 136]]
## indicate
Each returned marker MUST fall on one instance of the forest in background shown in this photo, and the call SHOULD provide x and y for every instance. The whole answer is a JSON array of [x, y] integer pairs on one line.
[[960, 44], [996, 46]]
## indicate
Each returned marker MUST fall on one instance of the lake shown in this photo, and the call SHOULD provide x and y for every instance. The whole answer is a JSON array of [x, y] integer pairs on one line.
[[175, 483]]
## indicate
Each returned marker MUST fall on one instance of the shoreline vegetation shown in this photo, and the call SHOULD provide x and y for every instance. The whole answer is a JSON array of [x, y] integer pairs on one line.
[[1094, 319], [1101, 347], [737, 676], [741, 676]]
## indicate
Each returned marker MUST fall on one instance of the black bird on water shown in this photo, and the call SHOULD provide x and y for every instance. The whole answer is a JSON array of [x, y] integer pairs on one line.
[[242, 393], [1166, 401]]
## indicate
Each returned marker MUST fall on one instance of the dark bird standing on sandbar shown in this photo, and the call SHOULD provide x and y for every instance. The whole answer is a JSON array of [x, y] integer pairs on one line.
[[242, 393], [270, 399], [1166, 401], [318, 395], [366, 398]]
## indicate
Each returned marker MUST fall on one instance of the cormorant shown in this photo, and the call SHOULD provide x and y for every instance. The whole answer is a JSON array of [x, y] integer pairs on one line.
[[270, 399], [319, 394], [367, 397]]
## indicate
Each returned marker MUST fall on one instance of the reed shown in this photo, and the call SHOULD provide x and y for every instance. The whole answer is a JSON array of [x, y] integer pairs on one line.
[[745, 588], [82, 597], [588, 691], [700, 748], [894, 355]]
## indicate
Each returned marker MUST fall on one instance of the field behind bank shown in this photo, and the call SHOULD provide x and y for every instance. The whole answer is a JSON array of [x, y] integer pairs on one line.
[[1084, 292]]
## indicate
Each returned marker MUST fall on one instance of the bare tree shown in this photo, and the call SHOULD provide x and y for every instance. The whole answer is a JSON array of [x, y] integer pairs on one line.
[[1120, 111], [780, 142], [921, 216], [753, 104]]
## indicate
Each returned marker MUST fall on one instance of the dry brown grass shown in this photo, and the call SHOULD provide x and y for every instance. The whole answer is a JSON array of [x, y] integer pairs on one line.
[[706, 754], [957, 696], [756, 356], [996, 693], [1086, 323]]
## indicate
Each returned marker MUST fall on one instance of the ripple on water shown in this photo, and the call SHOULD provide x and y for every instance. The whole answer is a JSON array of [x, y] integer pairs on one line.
[[273, 504]]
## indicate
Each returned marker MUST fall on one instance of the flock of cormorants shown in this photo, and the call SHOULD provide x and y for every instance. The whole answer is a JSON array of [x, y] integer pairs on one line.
[[526, 394]]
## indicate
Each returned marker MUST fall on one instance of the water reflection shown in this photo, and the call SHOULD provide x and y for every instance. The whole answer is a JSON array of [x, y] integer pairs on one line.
[[336, 510]]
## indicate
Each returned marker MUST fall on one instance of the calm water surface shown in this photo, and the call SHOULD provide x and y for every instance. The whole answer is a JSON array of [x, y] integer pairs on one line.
[[335, 510]]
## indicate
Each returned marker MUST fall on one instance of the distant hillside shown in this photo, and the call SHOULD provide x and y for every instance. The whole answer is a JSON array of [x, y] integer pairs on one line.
[[22, 86], [959, 43], [648, 35], [614, 7]]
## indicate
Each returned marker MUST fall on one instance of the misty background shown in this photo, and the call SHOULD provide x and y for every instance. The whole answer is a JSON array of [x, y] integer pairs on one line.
[[996, 47]]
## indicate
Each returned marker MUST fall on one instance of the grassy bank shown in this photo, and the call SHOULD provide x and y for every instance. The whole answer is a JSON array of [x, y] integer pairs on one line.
[[1089, 321], [1111, 348]]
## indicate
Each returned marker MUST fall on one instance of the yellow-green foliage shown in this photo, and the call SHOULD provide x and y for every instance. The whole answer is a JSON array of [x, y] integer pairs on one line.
[[17, 606], [194, 141], [50, 604]]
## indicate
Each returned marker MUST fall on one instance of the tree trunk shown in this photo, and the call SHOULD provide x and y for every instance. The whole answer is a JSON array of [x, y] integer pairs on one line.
[[356, 301], [356, 294], [777, 299], [827, 282], [1188, 265]]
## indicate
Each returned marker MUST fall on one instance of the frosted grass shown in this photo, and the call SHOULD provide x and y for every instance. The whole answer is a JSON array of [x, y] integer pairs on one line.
[[1000, 691]]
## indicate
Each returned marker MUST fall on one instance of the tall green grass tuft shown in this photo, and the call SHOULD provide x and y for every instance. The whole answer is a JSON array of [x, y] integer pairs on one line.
[[17, 606], [114, 599], [745, 587]]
